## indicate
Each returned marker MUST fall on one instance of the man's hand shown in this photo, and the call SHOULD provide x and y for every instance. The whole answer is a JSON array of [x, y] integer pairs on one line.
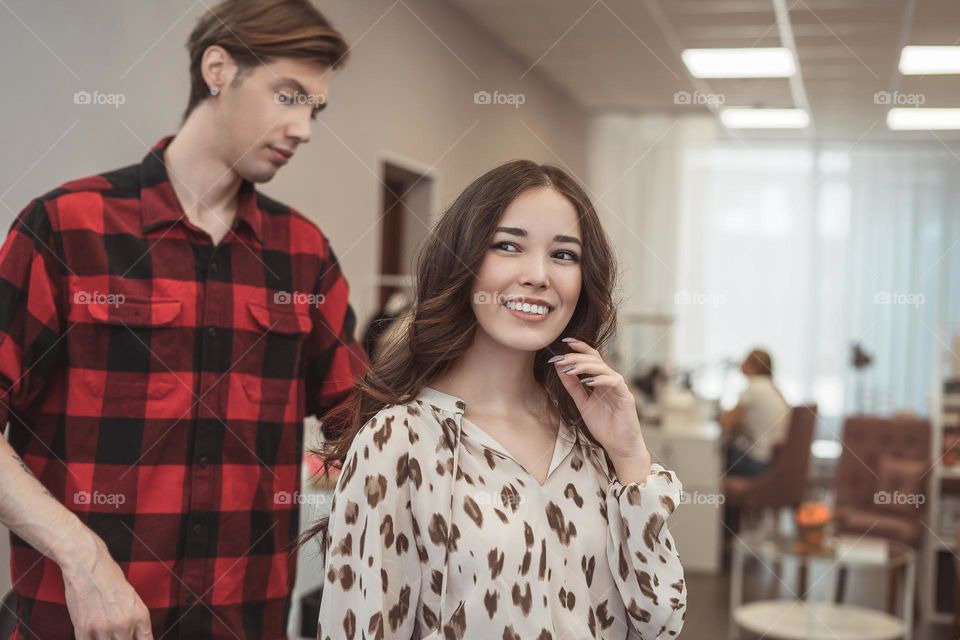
[[102, 604]]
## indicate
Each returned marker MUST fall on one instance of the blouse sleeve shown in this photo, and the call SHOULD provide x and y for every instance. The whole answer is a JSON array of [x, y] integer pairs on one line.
[[372, 570], [642, 555]]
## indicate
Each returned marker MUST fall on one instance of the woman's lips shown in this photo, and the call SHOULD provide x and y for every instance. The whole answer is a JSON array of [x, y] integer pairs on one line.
[[527, 316]]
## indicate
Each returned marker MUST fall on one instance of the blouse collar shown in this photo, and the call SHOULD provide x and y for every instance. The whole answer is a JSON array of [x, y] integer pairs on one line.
[[452, 404], [445, 401]]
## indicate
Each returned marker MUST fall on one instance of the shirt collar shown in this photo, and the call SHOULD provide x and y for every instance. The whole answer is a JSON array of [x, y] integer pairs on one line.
[[159, 204]]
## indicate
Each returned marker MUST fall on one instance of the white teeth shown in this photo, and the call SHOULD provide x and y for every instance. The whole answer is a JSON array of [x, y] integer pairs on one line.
[[526, 307]]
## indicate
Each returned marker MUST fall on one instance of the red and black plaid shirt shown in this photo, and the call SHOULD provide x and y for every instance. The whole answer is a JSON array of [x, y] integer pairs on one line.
[[157, 384]]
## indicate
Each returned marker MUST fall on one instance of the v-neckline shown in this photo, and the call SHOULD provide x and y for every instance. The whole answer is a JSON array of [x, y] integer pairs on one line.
[[562, 446], [567, 436]]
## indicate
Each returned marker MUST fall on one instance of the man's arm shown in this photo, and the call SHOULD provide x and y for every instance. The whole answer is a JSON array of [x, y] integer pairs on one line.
[[100, 601], [336, 360]]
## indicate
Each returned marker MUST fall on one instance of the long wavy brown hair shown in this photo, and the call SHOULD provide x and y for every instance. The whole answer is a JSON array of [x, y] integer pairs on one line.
[[441, 325]]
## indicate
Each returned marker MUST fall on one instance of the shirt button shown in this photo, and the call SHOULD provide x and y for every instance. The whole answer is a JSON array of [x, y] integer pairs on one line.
[[197, 528], [213, 267], [204, 461], [212, 331], [191, 598]]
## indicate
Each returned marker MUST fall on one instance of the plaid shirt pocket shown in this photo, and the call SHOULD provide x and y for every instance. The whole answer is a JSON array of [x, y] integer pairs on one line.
[[132, 349]]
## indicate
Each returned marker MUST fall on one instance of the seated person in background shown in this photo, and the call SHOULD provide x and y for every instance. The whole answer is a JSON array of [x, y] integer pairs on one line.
[[758, 422]]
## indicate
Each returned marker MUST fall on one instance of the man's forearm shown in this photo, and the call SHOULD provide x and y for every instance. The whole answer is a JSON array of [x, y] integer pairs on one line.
[[30, 511]]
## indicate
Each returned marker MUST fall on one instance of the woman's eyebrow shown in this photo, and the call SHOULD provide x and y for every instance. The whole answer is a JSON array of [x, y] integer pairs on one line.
[[516, 231]]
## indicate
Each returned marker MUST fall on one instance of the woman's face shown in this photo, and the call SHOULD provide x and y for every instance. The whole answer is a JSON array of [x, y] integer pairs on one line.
[[529, 281]]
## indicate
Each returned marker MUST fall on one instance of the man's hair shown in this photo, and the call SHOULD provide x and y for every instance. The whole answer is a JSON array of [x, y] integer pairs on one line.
[[257, 32]]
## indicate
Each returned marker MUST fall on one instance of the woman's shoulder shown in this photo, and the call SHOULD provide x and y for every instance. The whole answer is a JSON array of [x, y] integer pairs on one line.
[[398, 426]]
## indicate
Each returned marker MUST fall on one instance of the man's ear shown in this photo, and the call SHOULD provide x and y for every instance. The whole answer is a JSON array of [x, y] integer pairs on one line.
[[217, 66]]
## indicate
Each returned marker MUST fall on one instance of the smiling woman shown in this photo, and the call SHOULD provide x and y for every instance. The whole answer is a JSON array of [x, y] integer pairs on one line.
[[475, 430]]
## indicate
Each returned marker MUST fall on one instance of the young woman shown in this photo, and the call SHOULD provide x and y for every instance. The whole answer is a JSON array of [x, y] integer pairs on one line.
[[487, 489], [759, 421]]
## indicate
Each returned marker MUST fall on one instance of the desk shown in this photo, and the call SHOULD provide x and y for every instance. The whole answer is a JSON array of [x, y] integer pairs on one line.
[[694, 451]]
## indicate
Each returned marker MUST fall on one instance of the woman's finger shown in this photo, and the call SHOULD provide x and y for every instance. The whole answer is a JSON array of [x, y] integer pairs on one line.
[[582, 347], [576, 390], [612, 382], [591, 367], [568, 358]]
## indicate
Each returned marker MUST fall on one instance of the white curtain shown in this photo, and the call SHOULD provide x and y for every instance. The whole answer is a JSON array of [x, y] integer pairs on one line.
[[636, 168], [804, 250]]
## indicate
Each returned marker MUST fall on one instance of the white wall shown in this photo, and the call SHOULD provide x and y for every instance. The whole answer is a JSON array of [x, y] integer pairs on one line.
[[407, 91]]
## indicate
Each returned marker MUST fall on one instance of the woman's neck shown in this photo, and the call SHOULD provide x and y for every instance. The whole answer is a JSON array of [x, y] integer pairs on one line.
[[493, 379]]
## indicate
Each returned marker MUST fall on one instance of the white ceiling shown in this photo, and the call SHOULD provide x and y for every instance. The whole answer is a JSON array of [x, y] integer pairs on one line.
[[625, 54]]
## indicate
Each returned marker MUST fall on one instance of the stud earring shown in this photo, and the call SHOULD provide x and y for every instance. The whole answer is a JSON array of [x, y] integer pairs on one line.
[[214, 91]]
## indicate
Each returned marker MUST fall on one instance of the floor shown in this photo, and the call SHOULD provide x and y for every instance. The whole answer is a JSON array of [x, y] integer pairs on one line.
[[709, 599]]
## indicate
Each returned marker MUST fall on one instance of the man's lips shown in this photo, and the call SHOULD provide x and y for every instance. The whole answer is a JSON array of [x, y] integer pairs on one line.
[[281, 154]]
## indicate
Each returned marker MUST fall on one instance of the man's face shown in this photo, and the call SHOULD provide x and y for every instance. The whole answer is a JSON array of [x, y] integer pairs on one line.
[[268, 114]]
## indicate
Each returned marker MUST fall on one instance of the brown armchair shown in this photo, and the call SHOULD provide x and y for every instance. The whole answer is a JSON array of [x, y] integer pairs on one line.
[[870, 444], [784, 482], [866, 441]]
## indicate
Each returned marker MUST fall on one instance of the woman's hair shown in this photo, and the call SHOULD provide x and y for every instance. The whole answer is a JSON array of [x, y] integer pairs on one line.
[[760, 362], [256, 32], [441, 325]]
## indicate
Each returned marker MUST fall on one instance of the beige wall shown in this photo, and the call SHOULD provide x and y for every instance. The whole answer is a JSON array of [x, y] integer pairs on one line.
[[406, 93]]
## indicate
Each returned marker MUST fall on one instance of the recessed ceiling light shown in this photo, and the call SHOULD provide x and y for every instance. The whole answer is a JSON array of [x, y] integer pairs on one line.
[[928, 61], [907, 119], [751, 118], [772, 62]]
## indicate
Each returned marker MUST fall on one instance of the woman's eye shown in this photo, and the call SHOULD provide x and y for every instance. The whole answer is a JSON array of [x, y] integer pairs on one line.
[[502, 245], [572, 257], [284, 97]]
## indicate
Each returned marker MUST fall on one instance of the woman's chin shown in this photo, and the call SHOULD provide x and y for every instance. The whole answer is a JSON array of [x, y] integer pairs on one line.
[[524, 338]]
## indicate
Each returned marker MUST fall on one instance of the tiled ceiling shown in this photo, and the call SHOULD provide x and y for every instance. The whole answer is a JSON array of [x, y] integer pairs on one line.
[[625, 54]]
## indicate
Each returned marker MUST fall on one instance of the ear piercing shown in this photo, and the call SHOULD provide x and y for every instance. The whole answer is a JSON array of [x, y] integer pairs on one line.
[[214, 91]]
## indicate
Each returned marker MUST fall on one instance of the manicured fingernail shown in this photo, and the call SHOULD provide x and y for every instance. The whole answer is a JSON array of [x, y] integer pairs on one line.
[[555, 359], [568, 368], [569, 340], [588, 380]]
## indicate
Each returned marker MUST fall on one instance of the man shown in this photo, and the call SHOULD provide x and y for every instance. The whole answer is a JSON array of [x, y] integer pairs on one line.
[[164, 330]]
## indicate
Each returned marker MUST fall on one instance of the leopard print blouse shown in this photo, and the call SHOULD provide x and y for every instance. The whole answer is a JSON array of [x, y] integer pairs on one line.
[[493, 554]]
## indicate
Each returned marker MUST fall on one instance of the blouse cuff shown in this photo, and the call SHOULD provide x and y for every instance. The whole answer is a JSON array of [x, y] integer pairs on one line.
[[659, 493]]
